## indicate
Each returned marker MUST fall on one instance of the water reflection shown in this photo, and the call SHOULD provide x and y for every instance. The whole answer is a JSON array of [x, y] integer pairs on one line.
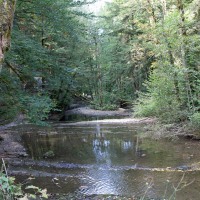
[[102, 160], [101, 147], [127, 145], [113, 145]]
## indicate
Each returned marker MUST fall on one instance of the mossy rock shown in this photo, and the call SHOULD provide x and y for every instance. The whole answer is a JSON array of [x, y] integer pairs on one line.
[[49, 154]]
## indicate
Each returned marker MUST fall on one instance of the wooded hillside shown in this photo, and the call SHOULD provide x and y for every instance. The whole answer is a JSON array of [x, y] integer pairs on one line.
[[143, 53]]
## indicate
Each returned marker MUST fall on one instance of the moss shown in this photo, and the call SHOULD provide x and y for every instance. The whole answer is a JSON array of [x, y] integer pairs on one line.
[[49, 154]]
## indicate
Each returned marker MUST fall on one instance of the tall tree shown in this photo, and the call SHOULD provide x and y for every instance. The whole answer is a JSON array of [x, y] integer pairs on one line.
[[7, 8], [47, 46]]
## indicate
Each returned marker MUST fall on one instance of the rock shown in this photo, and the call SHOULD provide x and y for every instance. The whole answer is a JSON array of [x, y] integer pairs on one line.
[[22, 154], [49, 154], [183, 167]]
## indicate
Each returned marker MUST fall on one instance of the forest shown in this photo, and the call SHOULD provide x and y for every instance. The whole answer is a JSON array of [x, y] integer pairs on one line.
[[142, 53]]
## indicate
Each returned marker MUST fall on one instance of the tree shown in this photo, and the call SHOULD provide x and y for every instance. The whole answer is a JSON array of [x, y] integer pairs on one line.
[[175, 65], [7, 8], [123, 61], [47, 47]]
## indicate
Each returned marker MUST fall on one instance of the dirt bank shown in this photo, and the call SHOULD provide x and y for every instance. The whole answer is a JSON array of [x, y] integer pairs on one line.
[[10, 145]]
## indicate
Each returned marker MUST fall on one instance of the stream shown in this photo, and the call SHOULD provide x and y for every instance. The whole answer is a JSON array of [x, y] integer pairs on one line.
[[110, 159]]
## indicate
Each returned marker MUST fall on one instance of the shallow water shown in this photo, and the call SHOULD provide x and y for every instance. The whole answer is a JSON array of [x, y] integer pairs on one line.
[[107, 159]]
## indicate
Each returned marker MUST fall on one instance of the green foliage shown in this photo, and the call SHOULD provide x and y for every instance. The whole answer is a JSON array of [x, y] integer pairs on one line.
[[49, 154], [195, 120], [8, 189], [37, 192], [145, 106], [8, 97], [161, 99], [115, 74], [108, 58], [36, 108], [172, 88], [49, 42]]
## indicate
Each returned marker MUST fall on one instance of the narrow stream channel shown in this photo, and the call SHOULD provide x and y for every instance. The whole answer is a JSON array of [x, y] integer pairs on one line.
[[107, 159]]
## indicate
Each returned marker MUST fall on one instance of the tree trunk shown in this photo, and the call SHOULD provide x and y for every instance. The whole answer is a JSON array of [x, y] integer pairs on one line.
[[182, 31], [183, 53], [7, 8]]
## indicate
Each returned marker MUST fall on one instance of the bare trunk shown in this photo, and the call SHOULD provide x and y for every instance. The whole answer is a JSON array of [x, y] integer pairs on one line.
[[7, 8]]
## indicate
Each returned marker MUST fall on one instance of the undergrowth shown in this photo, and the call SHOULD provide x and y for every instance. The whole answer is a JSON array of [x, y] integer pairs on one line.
[[9, 190]]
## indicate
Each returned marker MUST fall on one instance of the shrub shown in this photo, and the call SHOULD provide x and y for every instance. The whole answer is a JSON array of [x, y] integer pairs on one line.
[[36, 108], [9, 190], [161, 99], [195, 120]]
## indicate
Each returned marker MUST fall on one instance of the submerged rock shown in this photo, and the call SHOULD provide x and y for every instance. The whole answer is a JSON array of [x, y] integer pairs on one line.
[[184, 167]]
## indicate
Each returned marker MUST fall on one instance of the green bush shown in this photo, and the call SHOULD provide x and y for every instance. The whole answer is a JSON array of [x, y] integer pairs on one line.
[[161, 99], [36, 108], [8, 189], [195, 120], [144, 106], [106, 102]]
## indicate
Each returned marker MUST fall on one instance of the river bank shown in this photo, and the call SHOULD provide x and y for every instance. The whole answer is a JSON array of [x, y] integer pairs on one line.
[[11, 146], [90, 155], [103, 159]]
